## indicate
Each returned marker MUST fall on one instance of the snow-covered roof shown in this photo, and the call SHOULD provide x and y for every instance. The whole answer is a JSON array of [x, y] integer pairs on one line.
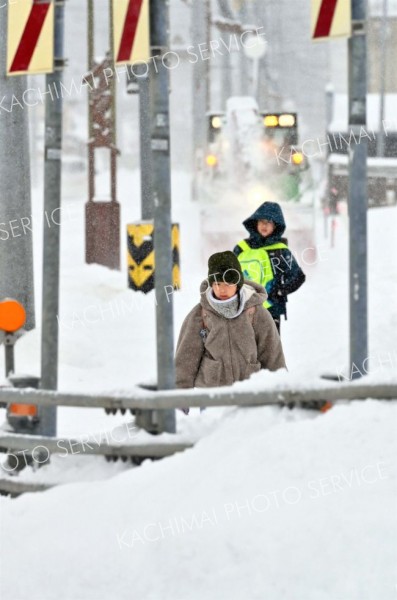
[[376, 8], [339, 122]]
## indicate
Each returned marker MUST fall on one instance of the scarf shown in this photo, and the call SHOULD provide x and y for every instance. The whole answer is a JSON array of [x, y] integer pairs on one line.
[[232, 308], [226, 308]]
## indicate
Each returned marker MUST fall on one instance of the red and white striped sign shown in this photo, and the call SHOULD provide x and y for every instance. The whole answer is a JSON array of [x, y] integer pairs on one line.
[[30, 37], [331, 18], [131, 31]]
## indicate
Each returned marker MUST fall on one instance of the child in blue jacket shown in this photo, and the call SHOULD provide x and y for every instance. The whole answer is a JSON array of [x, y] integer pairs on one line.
[[266, 259]]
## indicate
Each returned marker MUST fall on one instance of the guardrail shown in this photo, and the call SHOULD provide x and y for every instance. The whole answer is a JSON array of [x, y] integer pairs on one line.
[[140, 399], [147, 400], [54, 445], [10, 487]]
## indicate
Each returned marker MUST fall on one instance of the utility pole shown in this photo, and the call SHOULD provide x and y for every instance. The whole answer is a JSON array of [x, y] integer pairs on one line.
[[262, 85], [380, 145], [161, 165], [358, 189], [244, 62], [200, 25], [147, 206], [329, 103], [52, 235], [227, 90], [16, 256]]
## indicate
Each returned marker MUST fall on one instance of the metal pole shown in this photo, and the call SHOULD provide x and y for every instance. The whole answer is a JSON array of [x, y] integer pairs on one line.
[[51, 236], [147, 206], [225, 10], [255, 78], [380, 146], [263, 86], [226, 91], [34, 152], [113, 91], [226, 79], [113, 155], [201, 89], [358, 190], [329, 115], [90, 54], [159, 96], [9, 355], [244, 61], [16, 238], [329, 103], [90, 58]]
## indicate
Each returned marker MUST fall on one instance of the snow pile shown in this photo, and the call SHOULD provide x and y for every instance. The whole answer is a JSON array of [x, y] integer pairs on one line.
[[273, 504]]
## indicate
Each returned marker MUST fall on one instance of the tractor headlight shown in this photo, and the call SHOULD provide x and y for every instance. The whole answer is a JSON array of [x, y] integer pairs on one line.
[[286, 120], [258, 195], [270, 121]]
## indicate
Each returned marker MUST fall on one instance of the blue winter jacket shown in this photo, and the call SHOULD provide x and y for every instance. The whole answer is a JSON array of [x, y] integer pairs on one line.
[[286, 280]]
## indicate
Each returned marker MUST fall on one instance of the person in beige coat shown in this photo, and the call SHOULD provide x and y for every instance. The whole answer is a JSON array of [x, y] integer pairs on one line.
[[229, 335]]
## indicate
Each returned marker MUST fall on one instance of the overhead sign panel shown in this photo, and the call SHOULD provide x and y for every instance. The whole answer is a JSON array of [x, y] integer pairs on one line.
[[30, 37], [331, 19], [131, 31]]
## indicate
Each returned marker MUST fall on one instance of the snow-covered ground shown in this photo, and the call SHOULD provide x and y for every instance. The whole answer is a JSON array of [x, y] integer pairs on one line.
[[273, 504]]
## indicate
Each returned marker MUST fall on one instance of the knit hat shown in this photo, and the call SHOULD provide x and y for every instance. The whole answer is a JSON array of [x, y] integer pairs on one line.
[[225, 267]]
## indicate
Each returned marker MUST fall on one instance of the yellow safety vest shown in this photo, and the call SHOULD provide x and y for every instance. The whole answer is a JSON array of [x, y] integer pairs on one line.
[[256, 264]]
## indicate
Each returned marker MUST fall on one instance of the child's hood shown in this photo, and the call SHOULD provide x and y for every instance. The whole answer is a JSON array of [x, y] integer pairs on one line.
[[252, 294], [271, 211]]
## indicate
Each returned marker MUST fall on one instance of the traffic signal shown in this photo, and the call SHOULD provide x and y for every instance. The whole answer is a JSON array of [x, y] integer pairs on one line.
[[215, 125], [211, 160], [298, 158]]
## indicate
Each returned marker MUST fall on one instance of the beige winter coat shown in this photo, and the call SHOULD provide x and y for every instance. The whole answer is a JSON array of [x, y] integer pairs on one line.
[[233, 348]]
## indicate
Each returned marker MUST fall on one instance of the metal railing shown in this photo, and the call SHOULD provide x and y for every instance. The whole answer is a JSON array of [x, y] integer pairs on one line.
[[140, 399]]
